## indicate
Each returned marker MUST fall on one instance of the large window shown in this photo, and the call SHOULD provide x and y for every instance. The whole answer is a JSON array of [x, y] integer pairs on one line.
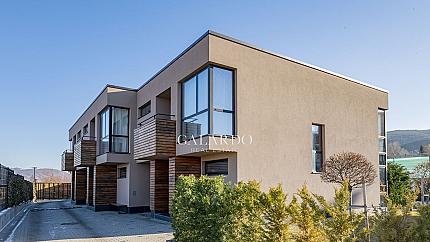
[[317, 147], [114, 130], [212, 85], [382, 141]]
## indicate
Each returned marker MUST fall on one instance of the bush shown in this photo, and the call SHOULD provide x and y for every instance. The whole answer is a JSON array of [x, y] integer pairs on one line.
[[247, 208], [19, 191], [307, 217], [395, 224], [341, 224], [276, 215], [423, 228], [200, 209]]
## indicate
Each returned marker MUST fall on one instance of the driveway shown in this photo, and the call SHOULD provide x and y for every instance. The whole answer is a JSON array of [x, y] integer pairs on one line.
[[60, 220]]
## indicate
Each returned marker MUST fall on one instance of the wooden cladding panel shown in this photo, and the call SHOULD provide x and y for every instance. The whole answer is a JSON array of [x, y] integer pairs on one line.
[[85, 153], [73, 185], [104, 185], [182, 165], [155, 139], [67, 161], [90, 185], [80, 186], [159, 185]]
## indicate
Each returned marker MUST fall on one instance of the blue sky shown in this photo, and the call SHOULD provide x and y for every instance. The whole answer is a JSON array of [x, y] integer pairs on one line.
[[56, 56]]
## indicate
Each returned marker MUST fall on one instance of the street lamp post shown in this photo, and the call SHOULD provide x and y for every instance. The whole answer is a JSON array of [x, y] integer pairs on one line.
[[34, 184]]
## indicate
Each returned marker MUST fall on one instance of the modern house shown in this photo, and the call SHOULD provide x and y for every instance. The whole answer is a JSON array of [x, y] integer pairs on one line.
[[223, 107]]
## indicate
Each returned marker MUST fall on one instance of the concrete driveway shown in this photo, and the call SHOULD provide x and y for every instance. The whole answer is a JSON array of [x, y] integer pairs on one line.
[[59, 220]]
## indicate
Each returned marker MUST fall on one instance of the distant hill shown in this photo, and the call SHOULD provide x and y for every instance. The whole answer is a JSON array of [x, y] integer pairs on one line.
[[411, 140], [44, 175]]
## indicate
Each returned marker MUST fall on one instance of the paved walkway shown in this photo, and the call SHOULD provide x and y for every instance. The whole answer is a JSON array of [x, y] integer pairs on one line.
[[60, 221]]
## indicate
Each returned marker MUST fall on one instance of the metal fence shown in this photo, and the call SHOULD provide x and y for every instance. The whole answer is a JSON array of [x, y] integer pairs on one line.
[[53, 190]]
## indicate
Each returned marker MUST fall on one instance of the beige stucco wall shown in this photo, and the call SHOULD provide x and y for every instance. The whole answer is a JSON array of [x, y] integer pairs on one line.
[[277, 102]]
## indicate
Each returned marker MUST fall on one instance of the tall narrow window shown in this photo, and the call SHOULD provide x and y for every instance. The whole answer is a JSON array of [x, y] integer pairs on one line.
[[317, 147], [114, 130], [104, 131], [223, 101], [216, 84], [119, 130], [382, 147], [195, 105]]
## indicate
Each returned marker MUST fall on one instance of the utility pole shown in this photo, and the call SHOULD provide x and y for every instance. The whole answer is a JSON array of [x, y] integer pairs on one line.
[[34, 184]]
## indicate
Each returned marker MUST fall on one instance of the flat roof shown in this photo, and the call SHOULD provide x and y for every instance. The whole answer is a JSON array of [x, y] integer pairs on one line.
[[107, 86], [210, 32]]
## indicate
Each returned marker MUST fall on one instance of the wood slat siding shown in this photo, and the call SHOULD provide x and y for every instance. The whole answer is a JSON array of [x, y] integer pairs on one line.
[[73, 185], [67, 161], [159, 185], [80, 186], [90, 185], [181, 165], [104, 185], [85, 153], [53, 190], [155, 139]]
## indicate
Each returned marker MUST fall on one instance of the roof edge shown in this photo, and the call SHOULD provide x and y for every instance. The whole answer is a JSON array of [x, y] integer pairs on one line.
[[175, 59], [107, 86], [296, 61]]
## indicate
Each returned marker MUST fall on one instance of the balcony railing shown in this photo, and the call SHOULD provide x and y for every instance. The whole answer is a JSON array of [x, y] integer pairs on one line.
[[67, 161], [155, 138], [85, 152]]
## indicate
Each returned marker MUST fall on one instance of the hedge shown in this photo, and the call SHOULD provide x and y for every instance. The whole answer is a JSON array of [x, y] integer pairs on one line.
[[207, 209]]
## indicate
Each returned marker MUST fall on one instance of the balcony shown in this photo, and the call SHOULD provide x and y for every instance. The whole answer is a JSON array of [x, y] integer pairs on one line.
[[67, 161], [155, 138], [85, 152]]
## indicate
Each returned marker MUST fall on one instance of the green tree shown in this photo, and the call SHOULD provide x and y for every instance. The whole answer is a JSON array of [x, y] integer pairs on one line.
[[307, 217], [276, 215], [247, 221], [399, 183], [341, 225]]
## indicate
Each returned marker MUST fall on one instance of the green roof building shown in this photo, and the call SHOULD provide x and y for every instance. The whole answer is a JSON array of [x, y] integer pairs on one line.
[[410, 163]]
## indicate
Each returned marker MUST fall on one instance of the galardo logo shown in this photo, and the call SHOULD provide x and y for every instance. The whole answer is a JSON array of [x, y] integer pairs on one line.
[[226, 143]]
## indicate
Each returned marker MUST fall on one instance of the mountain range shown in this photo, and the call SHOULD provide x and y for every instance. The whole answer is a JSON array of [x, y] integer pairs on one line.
[[411, 140], [44, 175]]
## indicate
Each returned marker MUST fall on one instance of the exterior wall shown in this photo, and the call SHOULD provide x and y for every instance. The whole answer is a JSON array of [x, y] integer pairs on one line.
[[122, 187], [105, 185], [287, 97], [182, 165], [159, 185], [190, 61], [80, 186], [90, 185]]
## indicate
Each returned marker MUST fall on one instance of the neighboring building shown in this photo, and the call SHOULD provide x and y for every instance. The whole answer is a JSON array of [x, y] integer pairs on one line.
[[223, 107], [410, 163]]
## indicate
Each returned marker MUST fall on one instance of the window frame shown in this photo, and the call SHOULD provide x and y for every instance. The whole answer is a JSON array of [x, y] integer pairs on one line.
[[322, 148], [119, 173], [147, 104], [210, 109], [383, 188], [110, 135], [216, 173]]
